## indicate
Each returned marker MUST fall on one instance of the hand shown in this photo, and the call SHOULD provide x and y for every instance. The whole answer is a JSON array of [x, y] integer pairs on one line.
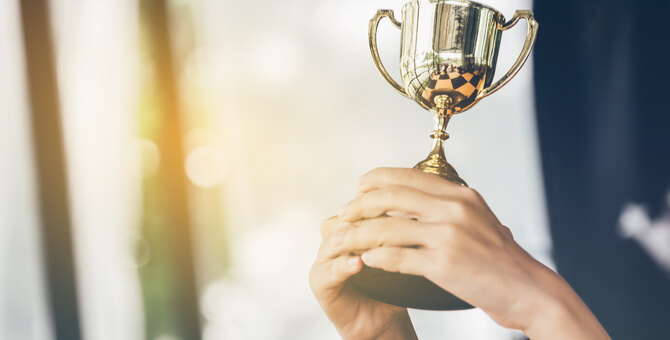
[[416, 223], [355, 316]]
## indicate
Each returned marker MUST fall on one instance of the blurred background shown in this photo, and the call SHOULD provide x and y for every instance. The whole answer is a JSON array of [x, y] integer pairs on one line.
[[165, 165]]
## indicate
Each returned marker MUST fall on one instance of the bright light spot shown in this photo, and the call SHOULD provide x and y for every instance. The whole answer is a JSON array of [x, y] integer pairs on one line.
[[205, 166], [633, 220], [145, 157], [234, 311], [276, 59], [653, 235]]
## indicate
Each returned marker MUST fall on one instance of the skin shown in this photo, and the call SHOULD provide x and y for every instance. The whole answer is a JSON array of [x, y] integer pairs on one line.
[[408, 221]]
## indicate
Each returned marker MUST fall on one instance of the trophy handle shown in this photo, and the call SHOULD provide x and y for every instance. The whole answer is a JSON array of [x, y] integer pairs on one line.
[[525, 52], [372, 36]]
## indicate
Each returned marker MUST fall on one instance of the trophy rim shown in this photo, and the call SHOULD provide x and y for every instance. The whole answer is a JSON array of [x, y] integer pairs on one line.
[[462, 2]]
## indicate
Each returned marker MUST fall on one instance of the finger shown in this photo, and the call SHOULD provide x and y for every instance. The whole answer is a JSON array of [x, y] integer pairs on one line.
[[399, 260], [331, 274], [383, 231], [329, 248], [414, 178], [422, 181], [398, 199], [332, 226]]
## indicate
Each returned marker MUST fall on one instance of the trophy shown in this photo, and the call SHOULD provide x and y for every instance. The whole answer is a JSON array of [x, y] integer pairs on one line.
[[448, 55]]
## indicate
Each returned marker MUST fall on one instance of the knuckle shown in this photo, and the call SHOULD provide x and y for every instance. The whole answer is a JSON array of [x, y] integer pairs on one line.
[[451, 210], [375, 172], [460, 208], [378, 173], [382, 231], [443, 234], [371, 234], [364, 234], [350, 238], [354, 204], [438, 211], [470, 194]]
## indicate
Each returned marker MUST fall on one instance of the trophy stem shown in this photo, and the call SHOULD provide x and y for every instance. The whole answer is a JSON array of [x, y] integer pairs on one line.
[[436, 162]]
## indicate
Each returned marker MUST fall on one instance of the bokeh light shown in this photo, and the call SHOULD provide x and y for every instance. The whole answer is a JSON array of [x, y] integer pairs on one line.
[[205, 166]]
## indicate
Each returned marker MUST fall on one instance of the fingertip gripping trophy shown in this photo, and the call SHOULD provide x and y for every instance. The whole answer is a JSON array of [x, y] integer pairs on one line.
[[448, 55]]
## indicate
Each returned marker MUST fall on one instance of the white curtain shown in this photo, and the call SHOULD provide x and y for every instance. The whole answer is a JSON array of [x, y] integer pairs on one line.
[[300, 113]]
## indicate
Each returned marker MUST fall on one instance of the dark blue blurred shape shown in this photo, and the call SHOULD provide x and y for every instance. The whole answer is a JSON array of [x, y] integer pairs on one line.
[[602, 73]]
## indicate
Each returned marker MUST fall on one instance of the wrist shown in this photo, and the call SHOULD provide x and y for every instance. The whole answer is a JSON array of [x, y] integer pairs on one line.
[[559, 313]]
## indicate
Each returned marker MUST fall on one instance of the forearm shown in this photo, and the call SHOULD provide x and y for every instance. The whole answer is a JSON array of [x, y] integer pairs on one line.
[[562, 314]]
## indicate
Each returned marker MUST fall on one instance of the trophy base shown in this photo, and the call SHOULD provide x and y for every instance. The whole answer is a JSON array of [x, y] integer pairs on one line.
[[405, 290], [442, 169]]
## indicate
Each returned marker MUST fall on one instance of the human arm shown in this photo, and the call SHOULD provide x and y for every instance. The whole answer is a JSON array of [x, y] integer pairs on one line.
[[416, 223]]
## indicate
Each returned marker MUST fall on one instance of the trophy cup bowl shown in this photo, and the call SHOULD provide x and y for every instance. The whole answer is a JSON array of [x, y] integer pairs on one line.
[[448, 55]]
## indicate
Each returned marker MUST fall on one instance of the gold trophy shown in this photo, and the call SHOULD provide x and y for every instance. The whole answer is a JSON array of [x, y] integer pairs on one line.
[[448, 55]]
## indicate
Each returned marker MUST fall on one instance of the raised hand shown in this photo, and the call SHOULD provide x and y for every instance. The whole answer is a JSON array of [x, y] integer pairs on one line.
[[408, 221]]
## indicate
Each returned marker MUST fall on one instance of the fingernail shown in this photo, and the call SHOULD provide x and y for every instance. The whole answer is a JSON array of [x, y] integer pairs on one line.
[[343, 210], [336, 240], [352, 262], [365, 257]]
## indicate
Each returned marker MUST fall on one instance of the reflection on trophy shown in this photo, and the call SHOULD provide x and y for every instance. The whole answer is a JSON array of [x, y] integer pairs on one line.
[[449, 50]]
